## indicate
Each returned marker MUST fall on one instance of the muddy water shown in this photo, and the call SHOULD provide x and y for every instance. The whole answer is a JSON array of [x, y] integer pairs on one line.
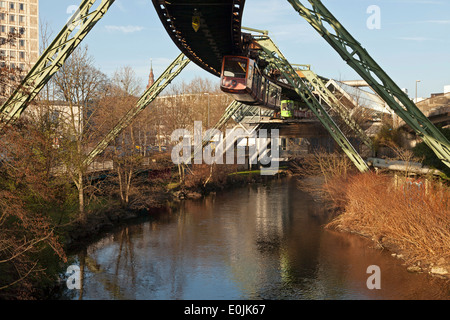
[[256, 242]]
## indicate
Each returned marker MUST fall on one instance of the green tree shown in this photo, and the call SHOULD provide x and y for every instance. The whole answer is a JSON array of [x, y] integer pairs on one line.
[[430, 159]]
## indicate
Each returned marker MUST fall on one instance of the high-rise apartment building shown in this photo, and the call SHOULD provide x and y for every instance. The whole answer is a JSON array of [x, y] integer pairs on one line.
[[19, 17]]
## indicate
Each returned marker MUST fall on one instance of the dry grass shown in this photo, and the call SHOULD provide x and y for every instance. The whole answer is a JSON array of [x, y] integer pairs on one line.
[[203, 174], [324, 175], [412, 220]]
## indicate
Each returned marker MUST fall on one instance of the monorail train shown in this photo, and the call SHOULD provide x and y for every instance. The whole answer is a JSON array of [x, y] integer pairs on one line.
[[242, 78], [292, 109], [288, 108]]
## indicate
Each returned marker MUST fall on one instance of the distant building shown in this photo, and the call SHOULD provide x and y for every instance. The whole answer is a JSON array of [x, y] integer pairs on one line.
[[446, 89], [19, 42], [67, 120], [20, 17]]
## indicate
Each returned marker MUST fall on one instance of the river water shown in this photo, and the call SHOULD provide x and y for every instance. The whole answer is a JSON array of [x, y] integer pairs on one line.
[[254, 242]]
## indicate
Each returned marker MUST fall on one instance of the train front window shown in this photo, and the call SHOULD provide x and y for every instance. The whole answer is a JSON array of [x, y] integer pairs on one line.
[[235, 67]]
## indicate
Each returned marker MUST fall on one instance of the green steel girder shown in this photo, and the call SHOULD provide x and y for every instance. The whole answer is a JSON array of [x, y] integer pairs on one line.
[[272, 54], [228, 113], [333, 102], [146, 99], [351, 51], [53, 58]]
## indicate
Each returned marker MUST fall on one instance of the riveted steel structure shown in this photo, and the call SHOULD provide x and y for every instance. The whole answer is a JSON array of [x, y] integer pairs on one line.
[[333, 102], [146, 99], [205, 32], [272, 54], [71, 35], [233, 108], [323, 21]]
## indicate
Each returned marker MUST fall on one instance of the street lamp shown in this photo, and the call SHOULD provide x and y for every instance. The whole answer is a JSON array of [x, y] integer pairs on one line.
[[417, 81]]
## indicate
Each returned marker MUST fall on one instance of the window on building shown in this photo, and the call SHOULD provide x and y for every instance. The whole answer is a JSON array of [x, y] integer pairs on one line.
[[2, 4], [12, 18], [22, 43], [22, 55], [12, 5], [21, 6]]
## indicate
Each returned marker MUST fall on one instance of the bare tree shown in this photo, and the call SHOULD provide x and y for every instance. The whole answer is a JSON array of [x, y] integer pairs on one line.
[[25, 193], [130, 146], [79, 84]]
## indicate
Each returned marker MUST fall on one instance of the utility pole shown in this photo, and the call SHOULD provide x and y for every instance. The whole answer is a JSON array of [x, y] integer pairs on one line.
[[417, 81], [207, 93]]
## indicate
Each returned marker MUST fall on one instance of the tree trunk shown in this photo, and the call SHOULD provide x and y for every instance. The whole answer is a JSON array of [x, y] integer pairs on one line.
[[128, 186], [81, 197], [119, 175]]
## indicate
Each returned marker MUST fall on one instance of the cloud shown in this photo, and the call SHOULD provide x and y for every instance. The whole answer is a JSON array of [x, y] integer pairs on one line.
[[417, 39], [422, 1], [124, 29], [437, 21]]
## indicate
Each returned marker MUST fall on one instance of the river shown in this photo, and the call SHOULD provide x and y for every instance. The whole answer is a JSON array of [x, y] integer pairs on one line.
[[254, 242]]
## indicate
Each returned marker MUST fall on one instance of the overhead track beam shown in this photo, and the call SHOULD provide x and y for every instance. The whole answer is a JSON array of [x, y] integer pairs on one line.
[[351, 51]]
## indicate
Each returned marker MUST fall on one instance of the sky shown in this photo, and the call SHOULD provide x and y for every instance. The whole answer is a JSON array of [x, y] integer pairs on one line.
[[409, 39]]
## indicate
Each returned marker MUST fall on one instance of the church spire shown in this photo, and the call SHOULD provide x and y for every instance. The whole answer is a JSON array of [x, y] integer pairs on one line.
[[151, 78]]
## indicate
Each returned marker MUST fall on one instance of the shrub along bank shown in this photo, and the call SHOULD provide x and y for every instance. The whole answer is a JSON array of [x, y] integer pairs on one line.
[[409, 219]]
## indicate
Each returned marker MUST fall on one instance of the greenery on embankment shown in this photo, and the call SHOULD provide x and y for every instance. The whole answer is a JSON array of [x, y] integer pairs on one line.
[[422, 150]]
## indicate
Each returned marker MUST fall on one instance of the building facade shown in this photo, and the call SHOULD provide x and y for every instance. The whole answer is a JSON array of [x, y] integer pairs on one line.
[[21, 18]]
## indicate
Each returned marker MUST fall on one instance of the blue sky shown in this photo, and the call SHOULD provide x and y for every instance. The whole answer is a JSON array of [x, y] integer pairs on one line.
[[413, 42]]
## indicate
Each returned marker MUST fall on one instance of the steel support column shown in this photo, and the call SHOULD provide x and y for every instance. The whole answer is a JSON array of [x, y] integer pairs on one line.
[[272, 54], [228, 113], [334, 103], [350, 50], [53, 58], [146, 99]]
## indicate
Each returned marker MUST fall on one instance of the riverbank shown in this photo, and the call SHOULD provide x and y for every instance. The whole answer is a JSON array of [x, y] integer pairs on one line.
[[157, 196], [154, 197], [262, 241], [409, 218]]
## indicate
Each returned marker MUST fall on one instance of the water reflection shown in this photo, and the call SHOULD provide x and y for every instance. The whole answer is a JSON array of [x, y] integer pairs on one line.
[[257, 242]]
